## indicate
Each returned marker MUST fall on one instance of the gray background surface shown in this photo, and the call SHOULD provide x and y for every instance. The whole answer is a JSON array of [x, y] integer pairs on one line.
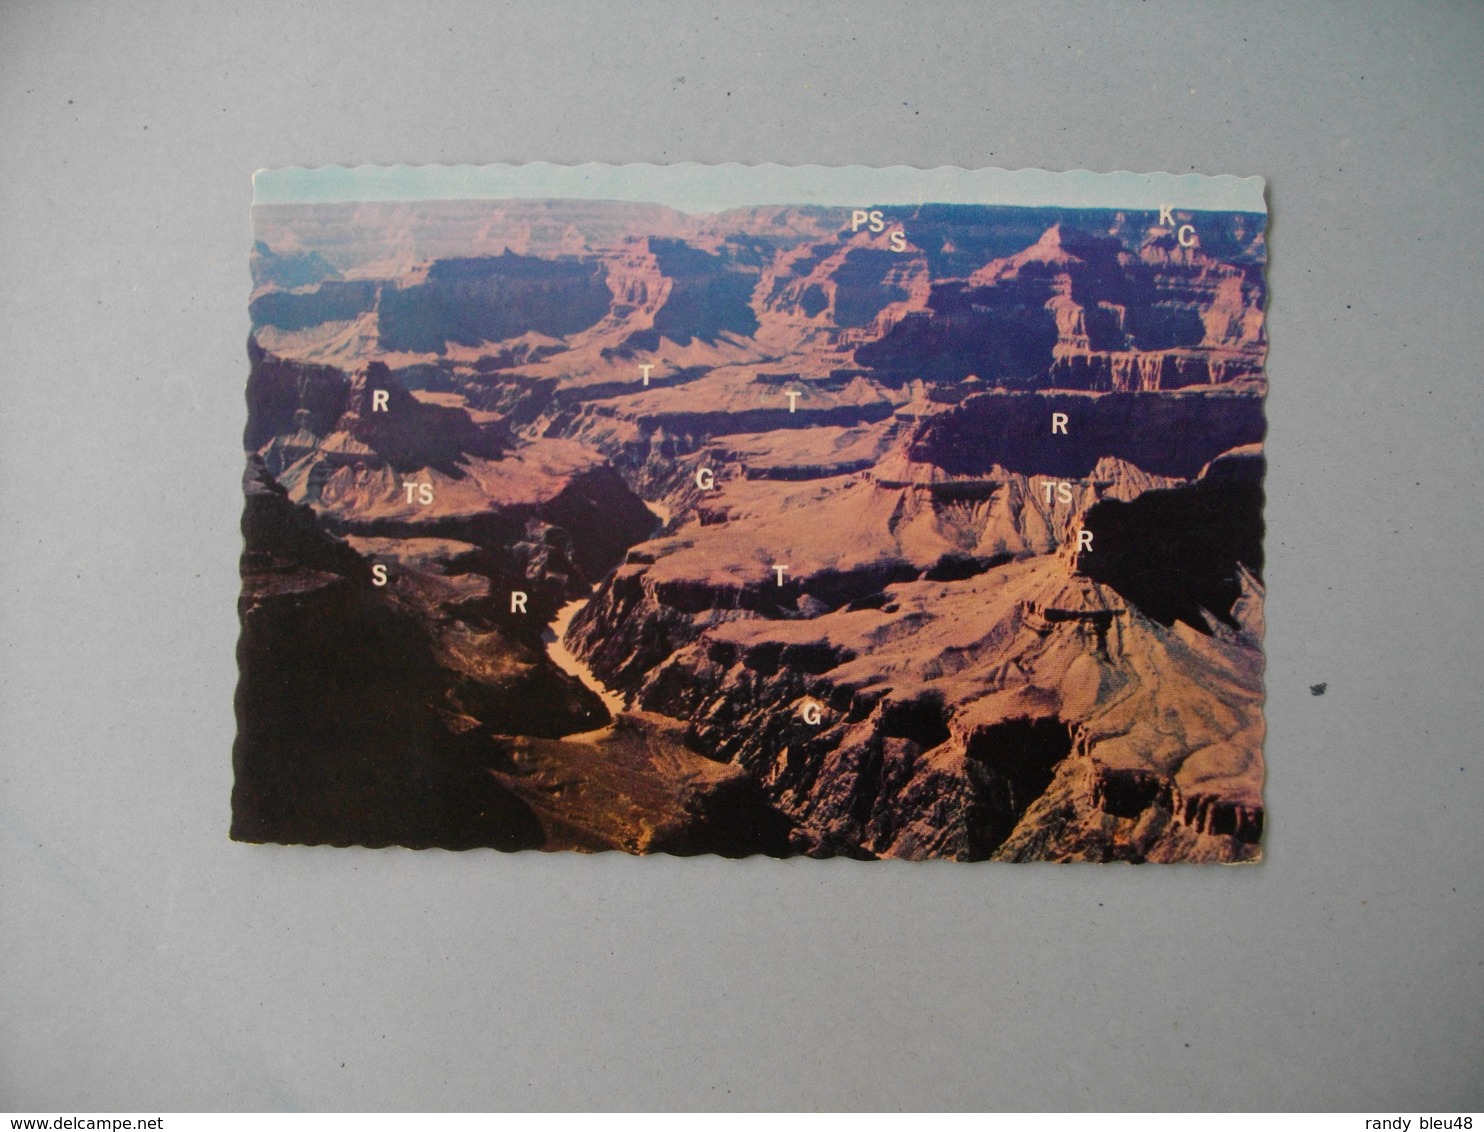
[[150, 964]]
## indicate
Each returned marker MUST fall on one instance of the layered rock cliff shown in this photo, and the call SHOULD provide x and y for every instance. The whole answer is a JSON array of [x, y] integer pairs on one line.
[[965, 662]]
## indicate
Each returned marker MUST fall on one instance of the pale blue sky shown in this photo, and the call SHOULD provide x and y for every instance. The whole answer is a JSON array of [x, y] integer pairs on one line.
[[712, 188]]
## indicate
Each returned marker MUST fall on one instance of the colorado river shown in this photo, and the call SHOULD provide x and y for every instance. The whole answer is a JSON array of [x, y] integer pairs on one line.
[[569, 662], [566, 659]]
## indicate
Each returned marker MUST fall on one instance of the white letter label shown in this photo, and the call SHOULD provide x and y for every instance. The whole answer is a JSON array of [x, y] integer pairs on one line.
[[644, 369], [899, 241], [779, 571], [1164, 215], [1062, 488], [705, 479], [378, 574], [1084, 541], [1186, 236], [1058, 423], [424, 491], [379, 398], [517, 601], [810, 711], [793, 396], [858, 217]]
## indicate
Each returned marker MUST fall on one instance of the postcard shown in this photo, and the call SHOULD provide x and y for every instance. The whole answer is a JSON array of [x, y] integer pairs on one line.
[[877, 513]]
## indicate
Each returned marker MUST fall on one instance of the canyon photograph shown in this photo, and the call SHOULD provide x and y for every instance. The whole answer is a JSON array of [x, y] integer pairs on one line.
[[610, 515]]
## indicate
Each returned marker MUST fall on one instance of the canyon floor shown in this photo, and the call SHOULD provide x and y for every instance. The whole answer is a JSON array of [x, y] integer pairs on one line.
[[587, 525]]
